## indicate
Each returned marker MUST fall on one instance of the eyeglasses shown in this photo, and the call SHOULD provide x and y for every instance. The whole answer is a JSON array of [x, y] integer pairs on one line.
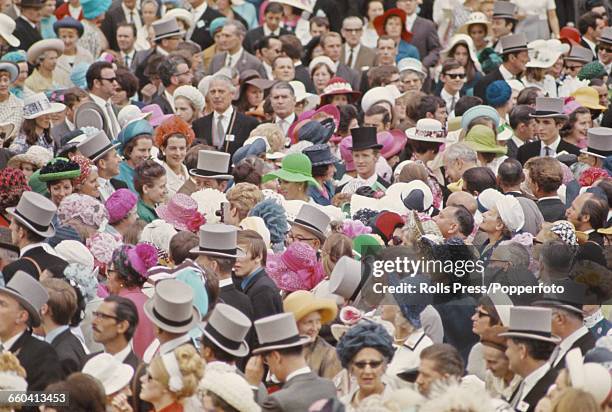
[[481, 314], [374, 364], [104, 315], [299, 238], [456, 75], [112, 79]]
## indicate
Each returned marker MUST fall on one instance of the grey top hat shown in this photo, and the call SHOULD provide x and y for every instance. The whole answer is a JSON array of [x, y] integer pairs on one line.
[[504, 10], [549, 107], [96, 146], [227, 327], [28, 292], [513, 43], [171, 308], [345, 278], [580, 54], [167, 27], [599, 142], [218, 240], [573, 297], [606, 35], [531, 323], [213, 165], [36, 213], [278, 332], [312, 219]]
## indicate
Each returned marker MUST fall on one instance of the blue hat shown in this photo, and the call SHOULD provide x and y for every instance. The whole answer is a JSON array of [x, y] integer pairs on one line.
[[216, 24], [498, 93], [479, 111], [133, 129], [252, 149], [77, 75], [68, 22], [16, 56], [317, 132], [94, 8], [320, 155]]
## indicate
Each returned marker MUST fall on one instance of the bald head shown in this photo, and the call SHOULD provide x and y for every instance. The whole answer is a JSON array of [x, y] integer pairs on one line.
[[463, 199]]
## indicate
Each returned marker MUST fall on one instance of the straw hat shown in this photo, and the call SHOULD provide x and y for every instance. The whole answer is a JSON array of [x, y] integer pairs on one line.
[[36, 105], [302, 303], [113, 374], [476, 17], [36, 155], [428, 130], [588, 97]]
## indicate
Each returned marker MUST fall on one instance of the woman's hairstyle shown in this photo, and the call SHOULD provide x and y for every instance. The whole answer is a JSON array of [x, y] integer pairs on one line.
[[318, 66], [244, 196], [528, 96], [147, 173], [173, 127], [127, 81], [567, 129], [86, 394], [535, 74], [470, 68], [366, 334], [413, 171], [486, 302], [572, 399], [546, 172], [28, 127], [273, 134], [133, 262], [335, 246], [348, 112], [191, 368], [249, 170]]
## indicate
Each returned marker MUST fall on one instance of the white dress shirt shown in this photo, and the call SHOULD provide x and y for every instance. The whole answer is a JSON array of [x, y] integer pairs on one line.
[[531, 381], [75, 12], [410, 21], [592, 45], [268, 69], [448, 99], [227, 115], [155, 348], [553, 146], [170, 100], [285, 123], [225, 282], [506, 73], [268, 32], [46, 247], [566, 344], [10, 342], [106, 189], [129, 14], [232, 59], [128, 58], [518, 142], [110, 116], [123, 353], [347, 54], [297, 372]]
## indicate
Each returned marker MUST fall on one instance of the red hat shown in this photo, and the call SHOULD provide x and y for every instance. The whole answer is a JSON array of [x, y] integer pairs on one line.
[[380, 21], [385, 223], [569, 35], [338, 86]]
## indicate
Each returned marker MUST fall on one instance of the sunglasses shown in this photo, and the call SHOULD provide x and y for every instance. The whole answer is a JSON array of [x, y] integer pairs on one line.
[[605, 49], [456, 75], [112, 79], [573, 68], [482, 314], [372, 364]]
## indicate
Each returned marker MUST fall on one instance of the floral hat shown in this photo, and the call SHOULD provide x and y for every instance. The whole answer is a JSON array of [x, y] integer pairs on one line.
[[102, 246], [85, 166], [182, 213], [59, 169], [84, 208], [135, 259], [36, 155], [12, 185], [338, 86], [296, 268]]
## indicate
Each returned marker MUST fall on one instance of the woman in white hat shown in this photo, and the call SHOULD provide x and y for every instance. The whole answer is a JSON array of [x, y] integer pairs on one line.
[[321, 69], [226, 391], [543, 54], [461, 48], [30, 161], [43, 56], [373, 9], [144, 35], [189, 103], [36, 127], [11, 107], [171, 379]]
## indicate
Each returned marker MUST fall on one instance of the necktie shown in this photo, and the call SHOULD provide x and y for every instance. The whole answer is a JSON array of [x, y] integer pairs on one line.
[[132, 17], [114, 127], [229, 61], [547, 151], [127, 61], [1, 348], [220, 132], [452, 105], [350, 59]]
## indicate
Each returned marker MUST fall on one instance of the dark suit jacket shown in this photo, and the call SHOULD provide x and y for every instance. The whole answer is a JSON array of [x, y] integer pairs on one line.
[[532, 149], [44, 260], [597, 238], [161, 101], [141, 59], [234, 297], [538, 391], [586, 46], [298, 393], [118, 184], [512, 149], [131, 359], [112, 19], [552, 209], [425, 38], [350, 75], [39, 360], [26, 34], [203, 128], [480, 89], [365, 58], [188, 187], [256, 34], [201, 33], [586, 342], [265, 296], [246, 62], [302, 74], [70, 351]]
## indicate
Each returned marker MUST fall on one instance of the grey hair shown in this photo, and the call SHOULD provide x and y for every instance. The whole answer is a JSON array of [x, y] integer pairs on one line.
[[240, 29], [43, 56], [352, 18], [513, 252], [223, 79], [154, 2], [460, 151], [283, 86]]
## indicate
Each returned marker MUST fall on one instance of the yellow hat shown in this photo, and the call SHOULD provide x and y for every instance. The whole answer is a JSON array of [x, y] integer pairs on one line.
[[302, 303], [588, 97]]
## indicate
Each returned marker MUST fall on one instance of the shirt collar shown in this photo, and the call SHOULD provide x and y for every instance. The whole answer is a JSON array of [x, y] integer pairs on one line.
[[226, 114], [50, 337], [289, 119], [122, 355], [98, 100], [170, 99], [245, 282], [548, 197], [173, 344], [506, 73], [46, 247], [161, 51], [553, 145], [347, 50], [533, 378], [225, 282], [410, 20], [8, 344], [447, 96], [566, 344], [128, 11], [28, 20], [589, 42], [268, 32], [201, 9], [518, 142], [301, 371]]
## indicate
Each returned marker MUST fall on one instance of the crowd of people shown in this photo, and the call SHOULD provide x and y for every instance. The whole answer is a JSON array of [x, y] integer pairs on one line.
[[300, 205]]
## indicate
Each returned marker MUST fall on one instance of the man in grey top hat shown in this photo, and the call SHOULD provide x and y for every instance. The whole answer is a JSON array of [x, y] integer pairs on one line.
[[21, 301], [30, 226], [604, 49], [309, 226], [503, 22]]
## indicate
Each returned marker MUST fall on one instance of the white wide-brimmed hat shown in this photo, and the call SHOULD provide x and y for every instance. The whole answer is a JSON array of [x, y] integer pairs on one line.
[[112, 374], [41, 46], [36, 105], [469, 43], [130, 113], [428, 130], [230, 387], [545, 53], [7, 27], [181, 14], [312, 100]]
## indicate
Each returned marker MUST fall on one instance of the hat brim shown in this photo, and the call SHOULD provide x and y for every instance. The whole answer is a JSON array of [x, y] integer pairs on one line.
[[122, 376], [594, 106], [411, 134], [165, 36], [328, 161], [549, 116], [338, 330], [552, 339], [318, 234], [326, 307], [164, 214], [25, 158], [242, 351], [55, 108], [35, 54], [195, 319], [105, 151], [585, 151], [34, 315], [203, 173], [501, 150], [12, 68], [465, 28], [11, 39], [198, 251], [304, 340], [50, 232], [552, 303], [289, 177]]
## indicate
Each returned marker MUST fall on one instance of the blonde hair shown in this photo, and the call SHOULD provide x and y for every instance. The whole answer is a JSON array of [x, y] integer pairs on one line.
[[191, 367], [572, 399], [273, 134], [244, 196], [10, 364]]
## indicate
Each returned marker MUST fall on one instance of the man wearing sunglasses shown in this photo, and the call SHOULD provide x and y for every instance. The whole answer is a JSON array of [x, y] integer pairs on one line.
[[604, 48], [102, 85], [173, 73], [453, 79]]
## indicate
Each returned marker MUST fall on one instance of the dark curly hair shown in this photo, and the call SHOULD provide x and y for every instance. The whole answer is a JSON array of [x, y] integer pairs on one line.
[[366, 334], [59, 165]]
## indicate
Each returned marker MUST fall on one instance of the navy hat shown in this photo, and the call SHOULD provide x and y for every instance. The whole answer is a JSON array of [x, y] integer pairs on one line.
[[320, 155], [252, 149], [317, 132], [498, 93], [68, 22]]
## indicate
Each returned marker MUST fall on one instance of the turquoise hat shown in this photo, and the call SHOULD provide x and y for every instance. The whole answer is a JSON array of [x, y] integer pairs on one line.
[[133, 129], [94, 8], [16, 56], [216, 24], [78, 73], [479, 111]]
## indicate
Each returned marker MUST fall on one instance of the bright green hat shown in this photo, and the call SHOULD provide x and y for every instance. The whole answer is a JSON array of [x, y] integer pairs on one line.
[[481, 138], [36, 185], [59, 169], [365, 244], [296, 167]]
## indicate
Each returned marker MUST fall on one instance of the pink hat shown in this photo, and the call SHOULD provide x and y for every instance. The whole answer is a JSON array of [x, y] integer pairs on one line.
[[328, 110], [570, 106], [157, 115], [182, 213], [296, 268], [119, 205], [346, 153], [393, 142]]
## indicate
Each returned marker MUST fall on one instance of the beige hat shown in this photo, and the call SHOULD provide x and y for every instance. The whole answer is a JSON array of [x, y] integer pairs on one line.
[[36, 155], [113, 374], [181, 14], [278, 332], [232, 388], [7, 27], [41, 46], [218, 240], [36, 105], [36, 213], [28, 292], [171, 308], [131, 113]]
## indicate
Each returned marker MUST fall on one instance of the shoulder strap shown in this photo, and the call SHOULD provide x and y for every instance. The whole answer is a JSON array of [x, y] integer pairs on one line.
[[38, 270]]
